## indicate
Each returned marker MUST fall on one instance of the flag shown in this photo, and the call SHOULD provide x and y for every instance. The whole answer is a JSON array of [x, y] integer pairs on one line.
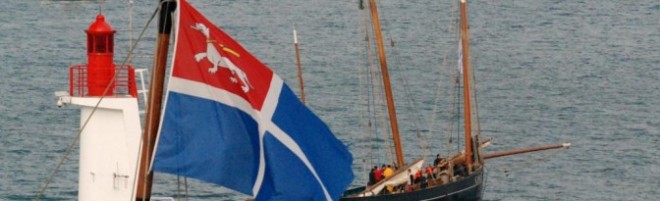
[[229, 120]]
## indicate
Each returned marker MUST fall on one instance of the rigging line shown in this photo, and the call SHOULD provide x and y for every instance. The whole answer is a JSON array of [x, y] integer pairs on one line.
[[379, 107], [438, 92], [178, 184], [485, 178], [384, 23], [382, 106], [456, 117], [476, 111], [361, 104], [432, 124], [131, 6], [454, 114], [75, 140], [363, 117], [364, 169], [371, 99], [371, 105], [455, 100], [362, 101], [436, 102], [408, 97], [185, 184], [476, 103], [382, 110], [372, 119], [365, 127], [457, 77]]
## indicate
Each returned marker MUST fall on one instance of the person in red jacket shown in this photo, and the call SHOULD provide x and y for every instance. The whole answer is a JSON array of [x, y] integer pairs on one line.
[[379, 174]]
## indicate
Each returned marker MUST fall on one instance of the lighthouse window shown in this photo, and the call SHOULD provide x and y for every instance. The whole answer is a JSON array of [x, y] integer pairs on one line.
[[111, 44], [100, 43], [90, 43]]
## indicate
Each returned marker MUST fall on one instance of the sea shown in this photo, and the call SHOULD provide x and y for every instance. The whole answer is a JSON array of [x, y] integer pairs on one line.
[[545, 72]]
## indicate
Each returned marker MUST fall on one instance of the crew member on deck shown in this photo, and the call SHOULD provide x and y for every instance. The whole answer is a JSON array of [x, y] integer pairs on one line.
[[378, 175], [388, 171], [429, 172], [437, 160], [418, 176], [372, 176], [411, 180], [423, 182]]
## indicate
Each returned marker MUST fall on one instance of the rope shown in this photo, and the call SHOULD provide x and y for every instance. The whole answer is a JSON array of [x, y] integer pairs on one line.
[[383, 104], [379, 105], [476, 102], [369, 126], [453, 99], [185, 184], [75, 140], [178, 184], [370, 129], [408, 97], [365, 126], [485, 178], [457, 115], [375, 123], [178, 187]]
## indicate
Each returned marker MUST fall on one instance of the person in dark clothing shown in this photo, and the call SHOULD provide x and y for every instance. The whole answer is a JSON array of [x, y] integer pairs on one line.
[[372, 176], [418, 175], [437, 160], [409, 187], [423, 183], [459, 170]]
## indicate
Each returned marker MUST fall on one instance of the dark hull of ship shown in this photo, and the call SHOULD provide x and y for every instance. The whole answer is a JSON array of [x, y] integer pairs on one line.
[[467, 188]]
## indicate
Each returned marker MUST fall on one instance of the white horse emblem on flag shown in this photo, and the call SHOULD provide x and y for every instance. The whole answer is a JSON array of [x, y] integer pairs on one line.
[[214, 56]]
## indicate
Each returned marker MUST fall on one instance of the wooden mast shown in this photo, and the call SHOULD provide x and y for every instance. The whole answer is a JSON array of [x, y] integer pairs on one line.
[[300, 78], [145, 176], [465, 39], [386, 83]]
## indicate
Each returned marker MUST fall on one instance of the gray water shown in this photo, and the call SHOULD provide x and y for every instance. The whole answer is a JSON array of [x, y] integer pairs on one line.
[[584, 72]]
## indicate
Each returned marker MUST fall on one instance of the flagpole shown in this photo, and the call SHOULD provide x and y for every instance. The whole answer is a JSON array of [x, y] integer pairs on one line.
[[300, 76], [145, 175]]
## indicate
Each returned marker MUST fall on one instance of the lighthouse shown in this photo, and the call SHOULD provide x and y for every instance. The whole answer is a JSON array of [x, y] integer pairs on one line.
[[110, 129], [100, 65]]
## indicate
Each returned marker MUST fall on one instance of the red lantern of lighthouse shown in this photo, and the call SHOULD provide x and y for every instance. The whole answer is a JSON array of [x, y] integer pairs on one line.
[[100, 65]]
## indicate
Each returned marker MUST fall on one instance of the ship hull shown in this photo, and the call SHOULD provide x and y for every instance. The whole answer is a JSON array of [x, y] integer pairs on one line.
[[467, 188]]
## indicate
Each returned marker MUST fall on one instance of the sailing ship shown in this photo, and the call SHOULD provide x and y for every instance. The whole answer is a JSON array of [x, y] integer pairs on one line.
[[448, 182], [458, 177], [228, 119]]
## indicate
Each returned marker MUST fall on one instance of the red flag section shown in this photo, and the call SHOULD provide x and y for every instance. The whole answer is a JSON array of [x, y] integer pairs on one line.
[[206, 54]]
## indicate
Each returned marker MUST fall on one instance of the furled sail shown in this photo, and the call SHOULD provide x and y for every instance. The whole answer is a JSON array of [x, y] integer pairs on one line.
[[400, 177]]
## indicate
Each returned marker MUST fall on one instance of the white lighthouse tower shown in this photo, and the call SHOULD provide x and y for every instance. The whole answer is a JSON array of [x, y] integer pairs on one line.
[[109, 119]]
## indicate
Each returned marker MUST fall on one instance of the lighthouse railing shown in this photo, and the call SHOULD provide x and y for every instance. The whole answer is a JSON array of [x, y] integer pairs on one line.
[[124, 82]]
